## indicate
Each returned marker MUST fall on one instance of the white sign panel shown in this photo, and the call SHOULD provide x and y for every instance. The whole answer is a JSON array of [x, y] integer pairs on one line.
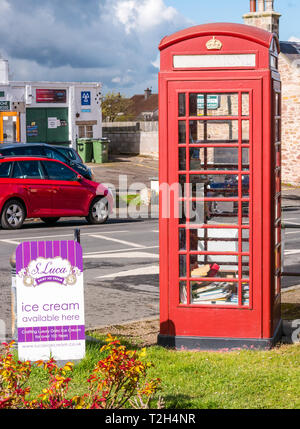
[[50, 301], [52, 122], [212, 61]]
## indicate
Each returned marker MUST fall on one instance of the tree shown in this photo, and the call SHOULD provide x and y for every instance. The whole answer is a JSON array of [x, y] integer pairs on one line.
[[115, 106]]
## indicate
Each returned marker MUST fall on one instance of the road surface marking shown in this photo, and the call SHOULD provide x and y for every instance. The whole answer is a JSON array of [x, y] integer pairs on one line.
[[122, 255], [10, 241], [292, 232], [151, 269], [102, 237], [119, 250], [66, 235], [292, 252]]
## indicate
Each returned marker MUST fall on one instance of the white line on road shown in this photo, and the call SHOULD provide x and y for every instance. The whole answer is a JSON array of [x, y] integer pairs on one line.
[[144, 255], [10, 241], [292, 252], [128, 243], [61, 235], [151, 269], [120, 250]]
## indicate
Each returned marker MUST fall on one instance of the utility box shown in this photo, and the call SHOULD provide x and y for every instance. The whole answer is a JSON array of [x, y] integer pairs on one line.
[[220, 188]]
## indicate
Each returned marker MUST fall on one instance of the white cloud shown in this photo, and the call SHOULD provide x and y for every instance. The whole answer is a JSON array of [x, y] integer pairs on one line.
[[142, 15], [294, 39], [111, 41]]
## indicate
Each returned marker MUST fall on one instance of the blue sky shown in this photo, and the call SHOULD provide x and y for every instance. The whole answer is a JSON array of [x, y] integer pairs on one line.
[[114, 42], [233, 10]]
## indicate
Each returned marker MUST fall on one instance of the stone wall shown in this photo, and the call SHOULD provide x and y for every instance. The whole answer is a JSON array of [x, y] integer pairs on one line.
[[290, 133], [132, 137]]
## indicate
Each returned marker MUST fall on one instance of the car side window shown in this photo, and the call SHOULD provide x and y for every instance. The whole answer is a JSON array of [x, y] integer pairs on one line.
[[5, 169], [28, 170], [53, 154], [57, 171]]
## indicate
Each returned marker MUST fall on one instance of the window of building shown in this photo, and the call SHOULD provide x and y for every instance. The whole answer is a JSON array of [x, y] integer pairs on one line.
[[85, 131]]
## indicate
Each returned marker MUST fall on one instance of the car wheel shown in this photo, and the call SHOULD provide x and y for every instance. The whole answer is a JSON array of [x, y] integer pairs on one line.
[[98, 212], [50, 220], [13, 215]]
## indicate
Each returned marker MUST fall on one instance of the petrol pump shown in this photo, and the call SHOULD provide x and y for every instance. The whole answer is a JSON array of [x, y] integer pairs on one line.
[[220, 188]]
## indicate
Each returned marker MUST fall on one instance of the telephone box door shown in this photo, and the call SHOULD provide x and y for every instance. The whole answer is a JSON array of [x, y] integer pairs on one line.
[[214, 148]]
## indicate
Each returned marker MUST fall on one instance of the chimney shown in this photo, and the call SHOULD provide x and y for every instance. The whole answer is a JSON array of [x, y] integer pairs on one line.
[[262, 15], [4, 71], [148, 92], [261, 5], [252, 5]]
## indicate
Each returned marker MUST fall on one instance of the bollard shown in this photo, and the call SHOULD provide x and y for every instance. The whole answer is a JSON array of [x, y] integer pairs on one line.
[[77, 235], [14, 324]]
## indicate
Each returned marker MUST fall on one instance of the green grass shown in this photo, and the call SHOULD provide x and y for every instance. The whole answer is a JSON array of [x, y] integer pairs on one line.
[[129, 199], [209, 380]]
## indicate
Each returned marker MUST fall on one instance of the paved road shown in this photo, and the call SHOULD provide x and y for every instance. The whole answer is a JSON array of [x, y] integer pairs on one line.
[[120, 267]]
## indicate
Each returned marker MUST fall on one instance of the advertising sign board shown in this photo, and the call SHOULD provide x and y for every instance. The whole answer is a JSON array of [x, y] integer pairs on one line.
[[50, 302]]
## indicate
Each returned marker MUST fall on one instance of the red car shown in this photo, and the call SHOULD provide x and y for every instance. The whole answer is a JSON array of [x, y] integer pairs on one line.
[[37, 187]]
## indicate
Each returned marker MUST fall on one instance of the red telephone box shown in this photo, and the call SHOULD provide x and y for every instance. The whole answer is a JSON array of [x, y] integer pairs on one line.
[[220, 188]]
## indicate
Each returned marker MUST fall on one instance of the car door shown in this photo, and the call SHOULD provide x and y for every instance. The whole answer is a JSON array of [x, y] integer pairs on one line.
[[30, 180], [70, 196]]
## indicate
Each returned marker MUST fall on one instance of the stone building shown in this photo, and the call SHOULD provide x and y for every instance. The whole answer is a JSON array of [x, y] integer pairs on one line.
[[263, 15]]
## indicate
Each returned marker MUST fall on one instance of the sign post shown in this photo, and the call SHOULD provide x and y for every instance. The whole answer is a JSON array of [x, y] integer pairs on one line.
[[50, 300]]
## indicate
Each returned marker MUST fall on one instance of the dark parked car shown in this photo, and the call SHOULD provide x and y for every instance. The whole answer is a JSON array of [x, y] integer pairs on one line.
[[64, 154]]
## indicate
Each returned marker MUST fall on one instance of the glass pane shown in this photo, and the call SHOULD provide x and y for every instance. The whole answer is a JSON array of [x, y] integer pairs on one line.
[[216, 185], [214, 132], [245, 241], [5, 169], [245, 267], [214, 104], [182, 293], [57, 171], [182, 159], [245, 211], [31, 170], [181, 132], [245, 132], [277, 130], [215, 293], [277, 104], [245, 293], [9, 129], [245, 159], [182, 239], [182, 265], [214, 158], [182, 181], [216, 265], [181, 105], [214, 239], [245, 104], [245, 185]]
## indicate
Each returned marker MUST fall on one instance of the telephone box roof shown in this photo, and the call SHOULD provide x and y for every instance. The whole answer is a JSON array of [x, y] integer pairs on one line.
[[243, 31]]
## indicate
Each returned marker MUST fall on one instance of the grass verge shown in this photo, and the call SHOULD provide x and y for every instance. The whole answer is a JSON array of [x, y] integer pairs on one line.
[[240, 379]]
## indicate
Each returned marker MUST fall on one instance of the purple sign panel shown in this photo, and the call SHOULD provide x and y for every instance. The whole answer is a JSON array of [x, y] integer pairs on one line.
[[50, 304]]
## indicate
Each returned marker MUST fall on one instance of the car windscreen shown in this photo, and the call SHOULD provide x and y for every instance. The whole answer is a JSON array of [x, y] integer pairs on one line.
[[69, 153], [5, 169], [55, 154]]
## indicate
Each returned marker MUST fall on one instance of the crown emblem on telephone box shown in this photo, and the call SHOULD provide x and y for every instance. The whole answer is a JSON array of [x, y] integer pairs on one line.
[[214, 43]]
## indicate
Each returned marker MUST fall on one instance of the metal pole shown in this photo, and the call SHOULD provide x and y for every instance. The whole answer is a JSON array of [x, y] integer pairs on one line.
[[77, 235]]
